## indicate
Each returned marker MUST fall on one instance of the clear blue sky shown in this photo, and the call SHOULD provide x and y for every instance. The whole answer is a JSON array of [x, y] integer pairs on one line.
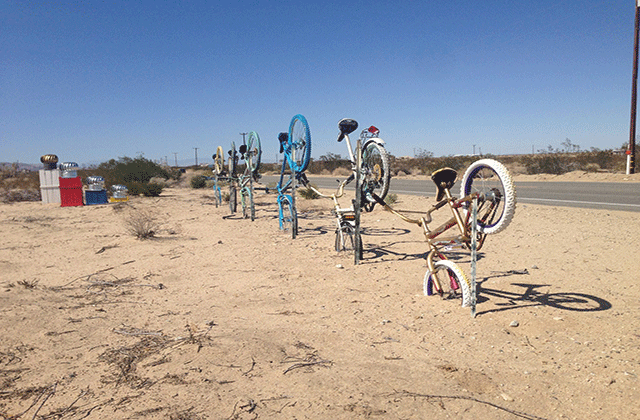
[[93, 80]]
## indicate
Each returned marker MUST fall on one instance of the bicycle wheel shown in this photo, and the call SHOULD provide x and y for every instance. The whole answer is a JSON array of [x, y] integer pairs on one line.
[[217, 194], [375, 171], [233, 160], [452, 280], [248, 207], [299, 143], [497, 203], [288, 216], [218, 160], [345, 237], [244, 201], [254, 148], [233, 198]]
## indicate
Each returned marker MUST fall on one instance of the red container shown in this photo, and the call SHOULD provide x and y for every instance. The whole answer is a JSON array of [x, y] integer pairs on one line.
[[71, 192]]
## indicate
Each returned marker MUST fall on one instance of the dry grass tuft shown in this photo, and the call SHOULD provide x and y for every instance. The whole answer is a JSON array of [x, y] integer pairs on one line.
[[142, 224]]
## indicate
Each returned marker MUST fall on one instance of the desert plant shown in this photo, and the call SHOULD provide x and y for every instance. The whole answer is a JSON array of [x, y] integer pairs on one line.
[[308, 193], [153, 189], [142, 224], [28, 284], [198, 181]]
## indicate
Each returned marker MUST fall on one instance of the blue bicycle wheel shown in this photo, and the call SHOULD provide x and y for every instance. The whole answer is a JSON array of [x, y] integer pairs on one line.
[[288, 216], [254, 148], [299, 143]]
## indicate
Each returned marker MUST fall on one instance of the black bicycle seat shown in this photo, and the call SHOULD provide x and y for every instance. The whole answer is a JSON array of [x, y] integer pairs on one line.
[[347, 126], [444, 179], [283, 138]]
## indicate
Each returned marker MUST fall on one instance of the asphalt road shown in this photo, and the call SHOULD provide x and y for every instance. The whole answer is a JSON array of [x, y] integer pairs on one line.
[[594, 195]]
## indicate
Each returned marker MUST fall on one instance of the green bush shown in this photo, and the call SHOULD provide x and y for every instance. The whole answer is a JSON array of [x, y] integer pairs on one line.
[[198, 181], [153, 189]]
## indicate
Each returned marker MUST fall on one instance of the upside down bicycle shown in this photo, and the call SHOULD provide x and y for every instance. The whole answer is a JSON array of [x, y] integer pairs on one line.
[[370, 170], [296, 147], [251, 153], [488, 182]]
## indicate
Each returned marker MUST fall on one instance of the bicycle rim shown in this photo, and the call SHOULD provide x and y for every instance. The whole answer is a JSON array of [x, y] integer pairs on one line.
[[492, 181], [299, 143], [375, 171]]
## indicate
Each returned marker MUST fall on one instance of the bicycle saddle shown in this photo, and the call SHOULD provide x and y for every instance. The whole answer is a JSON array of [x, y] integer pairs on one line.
[[283, 138], [444, 179], [347, 126]]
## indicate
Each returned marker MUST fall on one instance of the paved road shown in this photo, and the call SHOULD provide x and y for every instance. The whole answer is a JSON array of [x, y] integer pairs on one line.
[[597, 195]]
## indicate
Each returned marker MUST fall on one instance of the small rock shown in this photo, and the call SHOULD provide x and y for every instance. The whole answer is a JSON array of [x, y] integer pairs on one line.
[[339, 266], [534, 267], [514, 324], [506, 397]]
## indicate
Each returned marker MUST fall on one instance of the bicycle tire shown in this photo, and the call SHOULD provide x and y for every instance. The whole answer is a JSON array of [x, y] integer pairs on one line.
[[243, 202], [233, 161], [288, 216], [299, 143], [376, 175], [345, 237], [457, 282], [255, 149], [218, 160], [233, 198], [490, 177], [217, 194]]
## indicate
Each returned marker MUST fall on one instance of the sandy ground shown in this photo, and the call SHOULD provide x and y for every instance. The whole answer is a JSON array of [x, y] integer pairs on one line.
[[219, 317]]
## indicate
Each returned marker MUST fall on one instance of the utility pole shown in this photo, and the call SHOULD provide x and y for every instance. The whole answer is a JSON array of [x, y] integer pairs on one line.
[[175, 154], [631, 152], [244, 134], [196, 149], [474, 146]]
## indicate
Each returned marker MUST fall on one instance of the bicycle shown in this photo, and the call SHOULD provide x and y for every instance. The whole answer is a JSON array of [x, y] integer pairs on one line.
[[488, 182], [296, 147], [219, 175], [370, 169], [251, 153]]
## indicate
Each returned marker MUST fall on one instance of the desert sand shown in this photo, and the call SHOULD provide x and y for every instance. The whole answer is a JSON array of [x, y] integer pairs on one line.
[[219, 317]]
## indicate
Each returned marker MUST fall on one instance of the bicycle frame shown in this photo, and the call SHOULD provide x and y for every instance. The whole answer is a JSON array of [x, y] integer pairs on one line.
[[287, 188], [434, 241]]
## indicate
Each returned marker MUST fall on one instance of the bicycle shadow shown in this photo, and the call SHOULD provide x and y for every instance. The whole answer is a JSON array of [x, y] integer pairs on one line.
[[378, 252], [532, 296]]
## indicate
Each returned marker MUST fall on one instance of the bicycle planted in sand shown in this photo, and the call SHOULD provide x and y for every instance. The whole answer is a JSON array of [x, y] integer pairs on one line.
[[296, 146], [370, 170], [487, 182], [251, 153]]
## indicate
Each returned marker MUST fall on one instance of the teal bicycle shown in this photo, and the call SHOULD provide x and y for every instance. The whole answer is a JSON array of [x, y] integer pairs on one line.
[[296, 147]]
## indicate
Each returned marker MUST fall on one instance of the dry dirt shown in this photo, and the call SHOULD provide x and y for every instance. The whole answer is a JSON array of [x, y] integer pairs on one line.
[[219, 317]]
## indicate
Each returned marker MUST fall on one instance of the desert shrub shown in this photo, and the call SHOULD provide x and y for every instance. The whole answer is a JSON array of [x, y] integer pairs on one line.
[[18, 185], [549, 163], [13, 196], [152, 189], [135, 174], [329, 163], [308, 193], [142, 224], [198, 181]]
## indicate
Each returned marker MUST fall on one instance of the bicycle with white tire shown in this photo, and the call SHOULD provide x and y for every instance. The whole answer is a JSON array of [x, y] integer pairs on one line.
[[489, 184]]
